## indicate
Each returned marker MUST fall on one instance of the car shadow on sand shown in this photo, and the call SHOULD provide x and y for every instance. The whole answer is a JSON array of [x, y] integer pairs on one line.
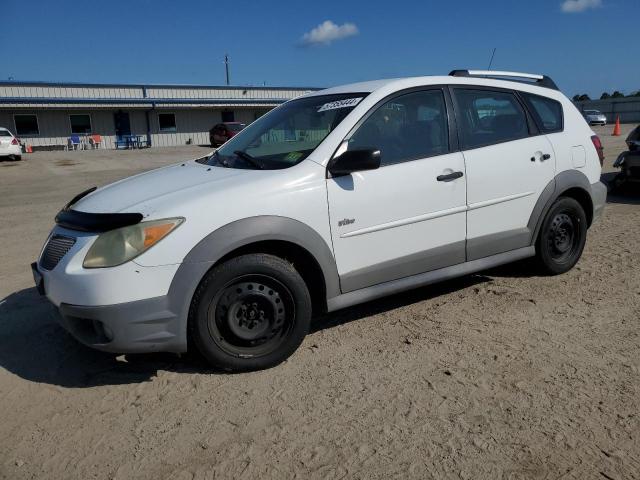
[[35, 347]]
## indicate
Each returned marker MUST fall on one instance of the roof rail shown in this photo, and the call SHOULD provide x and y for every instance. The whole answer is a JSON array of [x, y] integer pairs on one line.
[[539, 80]]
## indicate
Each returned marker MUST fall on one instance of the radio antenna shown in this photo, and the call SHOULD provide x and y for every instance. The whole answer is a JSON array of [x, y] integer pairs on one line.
[[491, 61]]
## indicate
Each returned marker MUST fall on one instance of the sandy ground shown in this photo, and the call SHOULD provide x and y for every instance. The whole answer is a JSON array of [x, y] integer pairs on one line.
[[497, 375]]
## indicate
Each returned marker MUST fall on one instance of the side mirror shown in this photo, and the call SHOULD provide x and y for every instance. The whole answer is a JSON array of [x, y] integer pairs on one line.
[[354, 161]]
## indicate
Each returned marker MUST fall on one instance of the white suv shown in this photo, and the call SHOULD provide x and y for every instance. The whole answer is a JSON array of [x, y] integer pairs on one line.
[[330, 200]]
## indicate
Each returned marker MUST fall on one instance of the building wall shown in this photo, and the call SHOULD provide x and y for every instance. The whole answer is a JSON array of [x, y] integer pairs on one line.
[[191, 124], [196, 107]]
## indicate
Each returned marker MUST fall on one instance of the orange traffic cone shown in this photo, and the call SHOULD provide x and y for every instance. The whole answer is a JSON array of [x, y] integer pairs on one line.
[[28, 149], [616, 129]]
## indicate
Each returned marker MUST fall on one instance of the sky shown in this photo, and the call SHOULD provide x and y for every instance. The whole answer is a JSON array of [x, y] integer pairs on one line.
[[586, 46]]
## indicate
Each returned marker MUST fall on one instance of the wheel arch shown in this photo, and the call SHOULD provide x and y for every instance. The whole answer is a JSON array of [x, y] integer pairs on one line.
[[282, 236], [570, 183]]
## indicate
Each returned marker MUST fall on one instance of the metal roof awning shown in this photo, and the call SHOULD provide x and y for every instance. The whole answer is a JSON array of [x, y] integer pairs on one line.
[[53, 102]]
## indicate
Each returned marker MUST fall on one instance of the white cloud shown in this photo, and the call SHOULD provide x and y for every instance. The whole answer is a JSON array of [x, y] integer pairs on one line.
[[576, 6], [328, 32]]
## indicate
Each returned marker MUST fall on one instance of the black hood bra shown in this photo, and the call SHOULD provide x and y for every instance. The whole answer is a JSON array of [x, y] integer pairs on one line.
[[93, 222]]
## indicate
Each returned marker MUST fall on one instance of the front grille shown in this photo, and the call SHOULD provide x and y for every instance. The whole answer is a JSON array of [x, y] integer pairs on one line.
[[57, 248]]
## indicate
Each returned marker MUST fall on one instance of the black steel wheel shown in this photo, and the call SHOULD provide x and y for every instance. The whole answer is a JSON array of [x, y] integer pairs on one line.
[[562, 236], [250, 313]]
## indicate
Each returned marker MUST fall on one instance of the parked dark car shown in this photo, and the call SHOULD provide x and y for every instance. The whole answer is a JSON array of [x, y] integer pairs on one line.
[[222, 132], [633, 140], [628, 162]]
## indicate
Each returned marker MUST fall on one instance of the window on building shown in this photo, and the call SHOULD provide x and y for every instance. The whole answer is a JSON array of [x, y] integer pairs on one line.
[[228, 116], [547, 112], [490, 117], [80, 123], [167, 122], [26, 125], [407, 127]]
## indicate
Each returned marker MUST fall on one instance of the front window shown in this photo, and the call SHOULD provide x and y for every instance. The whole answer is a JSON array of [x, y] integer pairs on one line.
[[287, 135], [408, 127]]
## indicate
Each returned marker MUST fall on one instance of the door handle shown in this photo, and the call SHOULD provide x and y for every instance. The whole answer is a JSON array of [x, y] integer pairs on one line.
[[448, 177], [545, 156]]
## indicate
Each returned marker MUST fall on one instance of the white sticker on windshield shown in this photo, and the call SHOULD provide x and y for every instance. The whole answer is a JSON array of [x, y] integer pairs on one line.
[[348, 102]]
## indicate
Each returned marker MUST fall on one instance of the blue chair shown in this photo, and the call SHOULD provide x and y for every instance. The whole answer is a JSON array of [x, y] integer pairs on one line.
[[122, 141], [73, 143]]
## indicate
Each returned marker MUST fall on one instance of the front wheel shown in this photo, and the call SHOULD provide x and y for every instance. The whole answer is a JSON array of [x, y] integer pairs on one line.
[[250, 313], [562, 237]]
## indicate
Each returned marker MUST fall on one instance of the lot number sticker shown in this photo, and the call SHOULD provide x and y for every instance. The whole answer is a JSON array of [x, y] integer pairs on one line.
[[348, 102]]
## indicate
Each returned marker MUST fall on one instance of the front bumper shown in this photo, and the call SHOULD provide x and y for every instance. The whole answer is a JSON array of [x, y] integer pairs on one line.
[[124, 309], [136, 327]]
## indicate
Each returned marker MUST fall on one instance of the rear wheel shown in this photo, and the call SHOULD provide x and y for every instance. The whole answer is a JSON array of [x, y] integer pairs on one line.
[[562, 237], [250, 313]]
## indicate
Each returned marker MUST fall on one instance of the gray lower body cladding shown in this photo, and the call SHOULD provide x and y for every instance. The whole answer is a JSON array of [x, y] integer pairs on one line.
[[151, 325], [160, 324]]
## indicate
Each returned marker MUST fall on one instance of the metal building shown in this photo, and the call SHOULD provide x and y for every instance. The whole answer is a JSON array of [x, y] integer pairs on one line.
[[46, 114]]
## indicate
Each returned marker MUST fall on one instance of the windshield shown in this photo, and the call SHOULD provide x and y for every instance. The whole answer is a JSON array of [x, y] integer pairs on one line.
[[235, 127], [593, 112], [286, 135]]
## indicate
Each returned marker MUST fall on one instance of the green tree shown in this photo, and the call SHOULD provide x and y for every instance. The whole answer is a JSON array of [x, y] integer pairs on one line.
[[617, 94], [576, 98], [604, 96], [584, 97]]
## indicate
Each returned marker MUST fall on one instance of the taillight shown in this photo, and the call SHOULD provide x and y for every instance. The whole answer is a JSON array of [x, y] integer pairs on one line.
[[598, 144], [15, 141]]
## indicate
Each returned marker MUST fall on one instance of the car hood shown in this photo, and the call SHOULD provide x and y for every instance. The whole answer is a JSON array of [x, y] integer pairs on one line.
[[143, 193]]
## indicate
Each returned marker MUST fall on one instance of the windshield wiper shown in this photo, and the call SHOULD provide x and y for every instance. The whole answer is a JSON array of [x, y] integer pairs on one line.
[[220, 160], [249, 159]]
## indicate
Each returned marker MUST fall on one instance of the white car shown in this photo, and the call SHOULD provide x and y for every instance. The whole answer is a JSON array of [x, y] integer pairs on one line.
[[332, 199], [595, 117], [9, 145]]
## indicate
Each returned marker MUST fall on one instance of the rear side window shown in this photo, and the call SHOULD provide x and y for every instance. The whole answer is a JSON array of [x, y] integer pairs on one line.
[[4, 133], [546, 112], [407, 127], [487, 117]]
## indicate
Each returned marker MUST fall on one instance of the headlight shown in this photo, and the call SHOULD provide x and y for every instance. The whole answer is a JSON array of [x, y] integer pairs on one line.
[[116, 247]]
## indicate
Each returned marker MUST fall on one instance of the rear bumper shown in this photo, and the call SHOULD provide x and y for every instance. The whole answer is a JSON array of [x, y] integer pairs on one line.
[[14, 150], [598, 198]]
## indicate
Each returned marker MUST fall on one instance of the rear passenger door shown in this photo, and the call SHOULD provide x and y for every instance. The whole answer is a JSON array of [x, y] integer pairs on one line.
[[508, 162]]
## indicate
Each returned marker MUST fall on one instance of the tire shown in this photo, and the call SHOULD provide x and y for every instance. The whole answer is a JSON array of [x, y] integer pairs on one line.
[[562, 237], [249, 313], [15, 158]]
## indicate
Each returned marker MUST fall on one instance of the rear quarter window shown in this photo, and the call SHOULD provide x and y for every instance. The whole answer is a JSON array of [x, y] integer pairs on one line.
[[547, 113]]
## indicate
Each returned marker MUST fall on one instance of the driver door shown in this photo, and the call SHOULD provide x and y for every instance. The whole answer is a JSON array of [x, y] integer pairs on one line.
[[408, 216]]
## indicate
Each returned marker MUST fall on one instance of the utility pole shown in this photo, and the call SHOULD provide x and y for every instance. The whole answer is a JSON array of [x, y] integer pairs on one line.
[[226, 66]]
